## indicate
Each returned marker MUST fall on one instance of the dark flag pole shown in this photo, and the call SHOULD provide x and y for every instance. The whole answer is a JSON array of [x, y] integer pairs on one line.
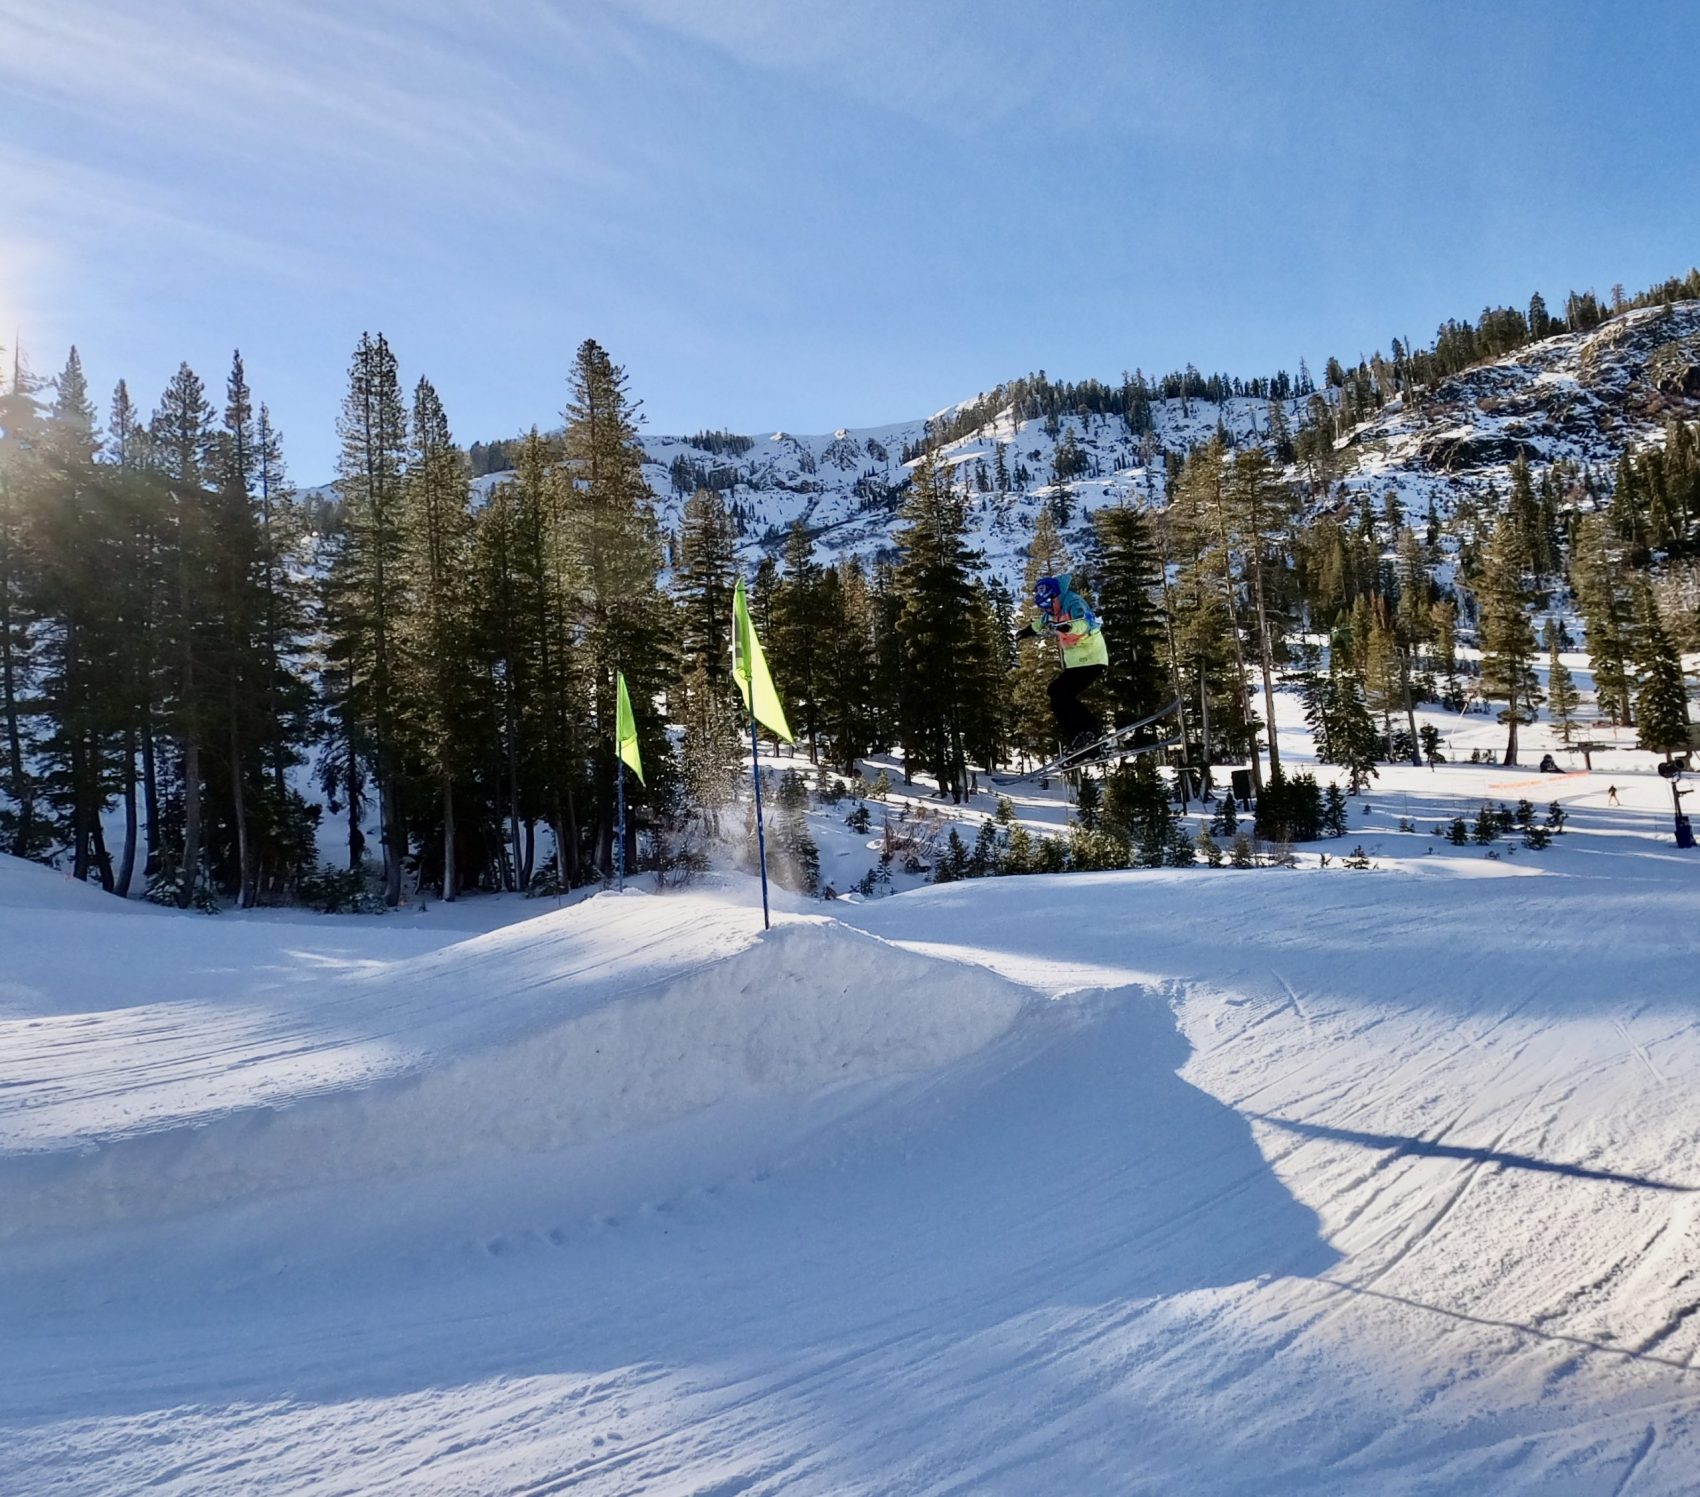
[[625, 752], [620, 824], [761, 701], [761, 836]]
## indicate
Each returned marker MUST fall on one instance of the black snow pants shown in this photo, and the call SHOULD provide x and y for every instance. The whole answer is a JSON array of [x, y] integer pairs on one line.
[[1074, 720]]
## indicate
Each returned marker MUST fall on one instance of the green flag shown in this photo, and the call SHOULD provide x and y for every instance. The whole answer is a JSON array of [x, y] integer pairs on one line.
[[625, 729], [749, 668]]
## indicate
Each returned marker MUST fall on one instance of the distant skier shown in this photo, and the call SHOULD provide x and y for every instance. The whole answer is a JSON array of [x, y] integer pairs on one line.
[[1063, 613]]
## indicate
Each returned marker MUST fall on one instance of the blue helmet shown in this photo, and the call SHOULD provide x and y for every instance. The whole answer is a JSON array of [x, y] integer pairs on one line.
[[1046, 590]]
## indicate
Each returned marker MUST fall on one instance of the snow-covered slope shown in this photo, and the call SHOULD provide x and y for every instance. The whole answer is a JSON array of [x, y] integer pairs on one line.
[[1257, 1182]]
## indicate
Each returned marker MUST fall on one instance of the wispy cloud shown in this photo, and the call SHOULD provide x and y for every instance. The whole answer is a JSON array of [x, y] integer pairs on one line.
[[410, 90], [965, 69]]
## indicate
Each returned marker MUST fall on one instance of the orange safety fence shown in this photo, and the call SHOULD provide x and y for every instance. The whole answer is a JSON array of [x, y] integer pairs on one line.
[[1546, 779]]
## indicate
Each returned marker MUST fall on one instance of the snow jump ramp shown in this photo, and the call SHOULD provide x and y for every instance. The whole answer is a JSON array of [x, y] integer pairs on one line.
[[573, 1028]]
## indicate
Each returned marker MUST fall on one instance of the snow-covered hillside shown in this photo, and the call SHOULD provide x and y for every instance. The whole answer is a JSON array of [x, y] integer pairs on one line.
[[846, 487], [1582, 396], [1585, 397], [1380, 1181]]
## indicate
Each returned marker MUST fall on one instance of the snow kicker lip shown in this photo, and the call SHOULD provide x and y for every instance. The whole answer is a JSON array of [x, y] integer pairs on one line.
[[813, 1004]]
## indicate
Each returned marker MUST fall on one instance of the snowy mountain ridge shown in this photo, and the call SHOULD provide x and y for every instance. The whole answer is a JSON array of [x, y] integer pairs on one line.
[[1583, 397]]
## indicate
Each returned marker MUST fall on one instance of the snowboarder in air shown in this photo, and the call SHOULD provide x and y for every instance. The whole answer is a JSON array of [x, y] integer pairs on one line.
[[1062, 612]]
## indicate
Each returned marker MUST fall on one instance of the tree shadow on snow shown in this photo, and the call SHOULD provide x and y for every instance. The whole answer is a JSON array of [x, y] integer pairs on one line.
[[1399, 1144]]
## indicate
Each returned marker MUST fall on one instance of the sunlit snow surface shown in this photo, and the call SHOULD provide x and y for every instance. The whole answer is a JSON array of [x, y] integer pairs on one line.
[[1234, 1182]]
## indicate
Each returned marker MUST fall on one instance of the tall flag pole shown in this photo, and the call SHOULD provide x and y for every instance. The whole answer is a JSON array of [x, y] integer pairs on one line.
[[626, 752], [761, 701]]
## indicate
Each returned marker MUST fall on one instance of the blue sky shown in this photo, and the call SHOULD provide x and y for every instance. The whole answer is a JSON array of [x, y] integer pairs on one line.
[[809, 215]]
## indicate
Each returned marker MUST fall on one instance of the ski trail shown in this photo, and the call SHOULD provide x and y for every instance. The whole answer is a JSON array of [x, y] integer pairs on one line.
[[1292, 997], [1640, 1051], [1472, 1173], [1637, 1456]]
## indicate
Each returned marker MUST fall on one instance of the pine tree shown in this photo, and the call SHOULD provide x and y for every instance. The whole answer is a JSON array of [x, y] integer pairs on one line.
[[1354, 734], [1508, 639], [1088, 801], [1661, 701], [547, 736], [285, 823], [1596, 575], [794, 855], [1377, 659], [845, 664], [1204, 517], [1261, 509], [20, 420], [365, 594], [625, 620], [1562, 696], [433, 645], [1137, 809], [704, 578], [1125, 568], [506, 601], [237, 664], [1523, 512], [133, 587], [1334, 811], [72, 545], [795, 637], [181, 438], [934, 629], [1033, 726]]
